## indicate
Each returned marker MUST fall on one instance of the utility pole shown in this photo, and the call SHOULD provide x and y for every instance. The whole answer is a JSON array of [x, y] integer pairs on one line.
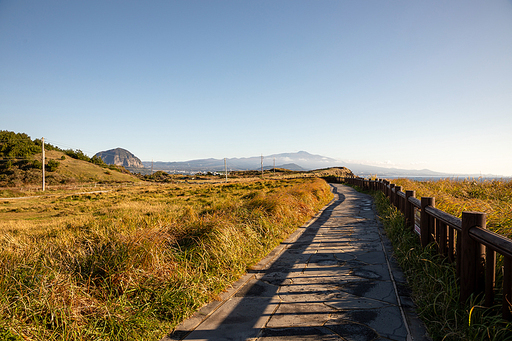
[[226, 169], [261, 165], [42, 142], [274, 165]]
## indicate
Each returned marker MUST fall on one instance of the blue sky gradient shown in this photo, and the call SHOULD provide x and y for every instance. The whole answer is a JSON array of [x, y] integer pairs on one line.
[[409, 84]]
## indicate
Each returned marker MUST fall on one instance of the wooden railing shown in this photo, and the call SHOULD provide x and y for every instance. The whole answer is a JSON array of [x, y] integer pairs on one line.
[[464, 241]]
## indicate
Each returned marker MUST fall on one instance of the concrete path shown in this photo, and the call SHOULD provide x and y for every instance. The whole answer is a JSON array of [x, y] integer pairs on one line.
[[333, 279], [54, 195]]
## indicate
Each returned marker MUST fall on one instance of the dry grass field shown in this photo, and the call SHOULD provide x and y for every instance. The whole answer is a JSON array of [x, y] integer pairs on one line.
[[131, 263], [493, 197]]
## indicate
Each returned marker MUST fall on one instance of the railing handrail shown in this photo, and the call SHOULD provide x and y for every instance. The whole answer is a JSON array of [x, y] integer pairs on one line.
[[415, 202], [493, 240], [446, 218], [469, 234]]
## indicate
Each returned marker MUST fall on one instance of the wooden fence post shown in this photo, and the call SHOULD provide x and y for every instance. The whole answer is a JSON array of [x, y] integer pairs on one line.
[[441, 237], [490, 276], [392, 193], [425, 220], [471, 260], [398, 199], [409, 210], [507, 289]]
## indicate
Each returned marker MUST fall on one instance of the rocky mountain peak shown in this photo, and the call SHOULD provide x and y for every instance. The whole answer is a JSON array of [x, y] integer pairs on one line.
[[120, 157]]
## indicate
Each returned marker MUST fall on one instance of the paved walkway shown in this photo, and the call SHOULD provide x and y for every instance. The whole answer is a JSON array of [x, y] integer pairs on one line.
[[54, 195], [333, 279]]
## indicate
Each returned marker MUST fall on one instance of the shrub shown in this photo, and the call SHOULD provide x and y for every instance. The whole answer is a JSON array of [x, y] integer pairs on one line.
[[77, 154], [8, 165], [98, 161], [37, 164], [52, 165]]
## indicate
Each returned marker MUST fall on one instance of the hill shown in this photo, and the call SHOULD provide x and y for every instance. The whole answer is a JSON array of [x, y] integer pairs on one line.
[[83, 171], [333, 172], [21, 164], [61, 169], [288, 166]]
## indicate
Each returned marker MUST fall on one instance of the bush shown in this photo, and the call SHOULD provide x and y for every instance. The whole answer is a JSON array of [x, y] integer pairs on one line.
[[77, 154], [37, 164], [52, 165], [98, 161]]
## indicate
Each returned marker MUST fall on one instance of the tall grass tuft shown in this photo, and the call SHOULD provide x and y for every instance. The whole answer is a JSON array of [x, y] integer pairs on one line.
[[133, 263]]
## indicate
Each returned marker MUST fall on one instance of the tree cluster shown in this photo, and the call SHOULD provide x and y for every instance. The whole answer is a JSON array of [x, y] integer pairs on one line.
[[17, 145]]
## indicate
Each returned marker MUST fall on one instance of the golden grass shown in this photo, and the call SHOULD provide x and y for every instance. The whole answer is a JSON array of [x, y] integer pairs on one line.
[[493, 197], [132, 263]]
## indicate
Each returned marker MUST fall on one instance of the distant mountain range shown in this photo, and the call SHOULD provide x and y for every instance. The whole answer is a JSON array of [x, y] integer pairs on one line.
[[300, 161], [366, 171], [293, 161]]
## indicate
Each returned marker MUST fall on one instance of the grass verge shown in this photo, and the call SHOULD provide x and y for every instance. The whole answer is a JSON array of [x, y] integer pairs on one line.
[[133, 263], [435, 289]]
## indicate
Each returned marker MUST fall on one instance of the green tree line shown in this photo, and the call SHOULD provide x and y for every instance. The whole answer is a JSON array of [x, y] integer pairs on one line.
[[21, 146]]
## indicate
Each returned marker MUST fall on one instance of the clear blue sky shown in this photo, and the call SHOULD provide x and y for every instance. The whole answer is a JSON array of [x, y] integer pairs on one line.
[[410, 84]]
